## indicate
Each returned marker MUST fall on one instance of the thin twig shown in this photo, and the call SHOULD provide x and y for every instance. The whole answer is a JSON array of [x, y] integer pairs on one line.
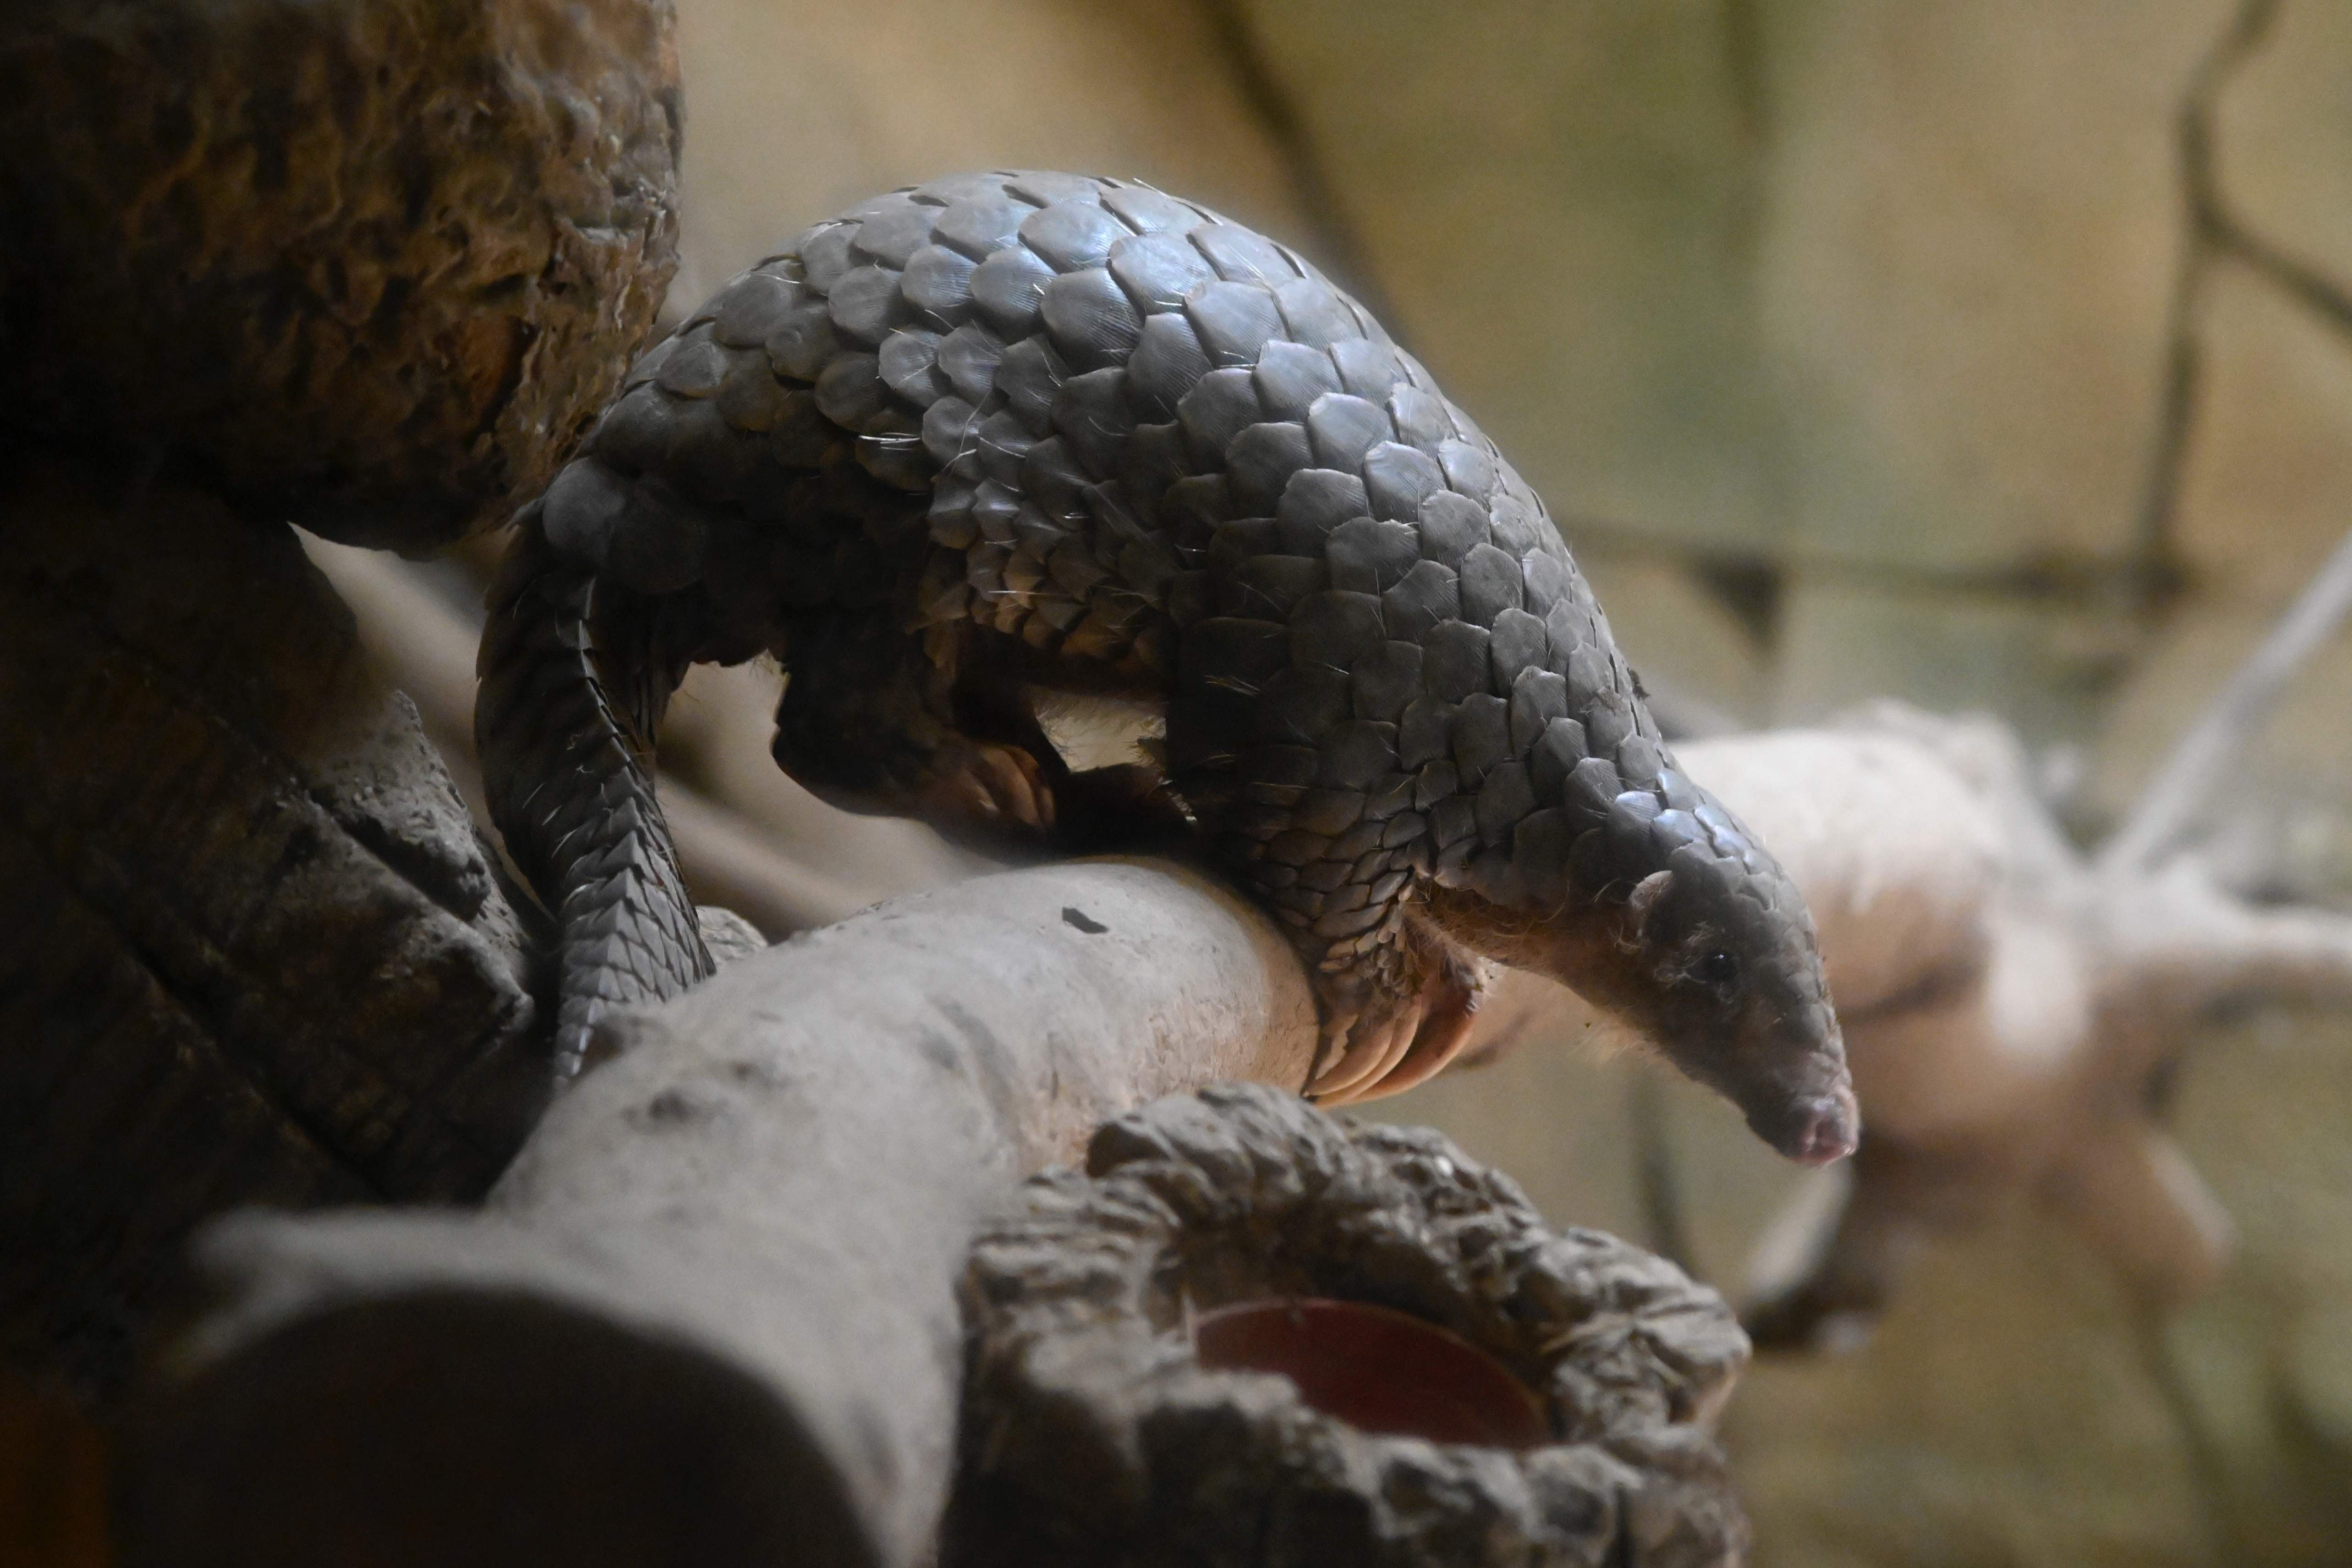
[[2163, 812]]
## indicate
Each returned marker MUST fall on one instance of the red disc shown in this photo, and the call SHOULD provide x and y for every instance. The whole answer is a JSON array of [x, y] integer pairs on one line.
[[1377, 1369]]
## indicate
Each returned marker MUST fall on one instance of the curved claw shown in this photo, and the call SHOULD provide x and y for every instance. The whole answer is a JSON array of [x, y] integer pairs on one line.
[[1444, 1033], [1396, 1041], [992, 786], [1370, 1042]]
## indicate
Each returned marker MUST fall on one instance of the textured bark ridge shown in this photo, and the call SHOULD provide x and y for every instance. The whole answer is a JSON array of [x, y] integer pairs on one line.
[[252, 950], [1093, 1436], [369, 265]]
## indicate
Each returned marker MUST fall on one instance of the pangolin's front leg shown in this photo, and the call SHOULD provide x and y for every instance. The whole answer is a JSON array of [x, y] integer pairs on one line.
[[1395, 1012], [882, 722], [1311, 831]]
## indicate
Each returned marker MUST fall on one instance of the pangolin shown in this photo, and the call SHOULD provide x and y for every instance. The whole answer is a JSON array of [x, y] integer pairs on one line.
[[1016, 433]]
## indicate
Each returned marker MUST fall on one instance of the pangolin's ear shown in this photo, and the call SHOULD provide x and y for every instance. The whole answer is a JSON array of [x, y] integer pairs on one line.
[[1644, 899]]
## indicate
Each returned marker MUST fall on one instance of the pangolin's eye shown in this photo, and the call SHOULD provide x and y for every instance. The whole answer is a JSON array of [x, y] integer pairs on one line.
[[1717, 970]]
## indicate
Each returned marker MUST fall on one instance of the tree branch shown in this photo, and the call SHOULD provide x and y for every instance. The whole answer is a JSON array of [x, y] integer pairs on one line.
[[710, 1311]]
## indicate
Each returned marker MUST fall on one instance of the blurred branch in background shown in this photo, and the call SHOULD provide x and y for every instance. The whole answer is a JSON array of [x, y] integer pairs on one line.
[[2185, 788]]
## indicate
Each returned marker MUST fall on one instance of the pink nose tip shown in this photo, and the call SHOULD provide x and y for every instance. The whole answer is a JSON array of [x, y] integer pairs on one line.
[[1832, 1128]]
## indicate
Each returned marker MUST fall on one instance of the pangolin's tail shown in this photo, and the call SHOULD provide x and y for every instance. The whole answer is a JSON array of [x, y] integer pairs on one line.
[[567, 771]]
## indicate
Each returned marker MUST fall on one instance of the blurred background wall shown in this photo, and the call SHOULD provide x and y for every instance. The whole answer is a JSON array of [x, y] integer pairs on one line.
[[1995, 355]]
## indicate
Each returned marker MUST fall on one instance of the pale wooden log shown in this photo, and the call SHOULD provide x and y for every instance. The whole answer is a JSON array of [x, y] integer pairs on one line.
[[708, 1316]]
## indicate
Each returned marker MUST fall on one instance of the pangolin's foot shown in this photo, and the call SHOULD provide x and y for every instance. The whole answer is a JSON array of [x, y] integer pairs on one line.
[[1395, 1016], [981, 790]]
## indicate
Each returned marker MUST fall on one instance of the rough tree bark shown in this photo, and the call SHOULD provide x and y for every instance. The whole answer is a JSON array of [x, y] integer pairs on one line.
[[252, 949], [370, 266], [709, 1315]]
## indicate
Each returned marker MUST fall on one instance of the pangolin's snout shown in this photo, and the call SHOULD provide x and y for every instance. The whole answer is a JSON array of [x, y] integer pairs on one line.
[[1814, 1130]]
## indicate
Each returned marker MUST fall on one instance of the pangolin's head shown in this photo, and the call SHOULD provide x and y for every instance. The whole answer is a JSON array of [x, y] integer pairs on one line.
[[1720, 969], [1656, 904]]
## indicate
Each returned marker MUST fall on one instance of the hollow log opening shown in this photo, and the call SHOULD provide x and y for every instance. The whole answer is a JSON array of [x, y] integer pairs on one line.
[[1252, 1333], [1379, 1369]]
